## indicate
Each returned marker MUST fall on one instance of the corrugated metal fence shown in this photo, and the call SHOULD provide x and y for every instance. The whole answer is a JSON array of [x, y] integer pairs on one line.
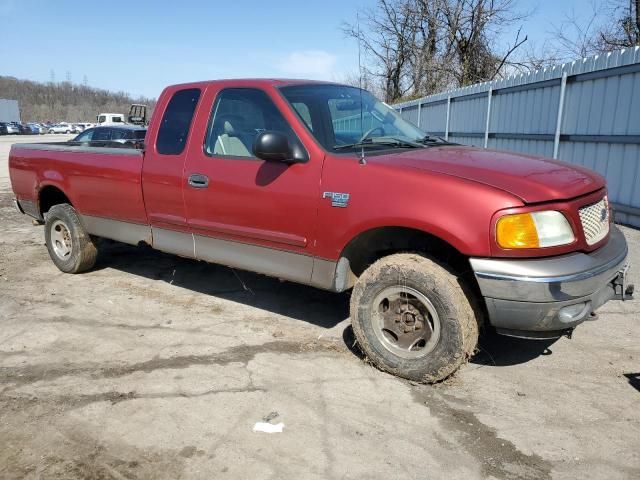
[[586, 112]]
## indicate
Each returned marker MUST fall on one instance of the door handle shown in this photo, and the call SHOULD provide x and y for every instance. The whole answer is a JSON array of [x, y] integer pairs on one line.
[[196, 180]]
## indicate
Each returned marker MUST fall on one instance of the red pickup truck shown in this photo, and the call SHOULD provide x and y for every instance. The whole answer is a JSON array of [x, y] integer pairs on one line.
[[322, 184]]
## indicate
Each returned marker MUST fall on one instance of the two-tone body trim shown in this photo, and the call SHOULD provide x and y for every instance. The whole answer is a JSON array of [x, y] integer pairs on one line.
[[273, 262]]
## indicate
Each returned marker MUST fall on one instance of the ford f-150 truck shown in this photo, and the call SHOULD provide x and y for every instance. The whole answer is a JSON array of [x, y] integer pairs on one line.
[[322, 184]]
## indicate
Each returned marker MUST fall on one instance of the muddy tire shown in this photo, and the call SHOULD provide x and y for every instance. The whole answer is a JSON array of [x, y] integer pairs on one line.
[[412, 318], [69, 245]]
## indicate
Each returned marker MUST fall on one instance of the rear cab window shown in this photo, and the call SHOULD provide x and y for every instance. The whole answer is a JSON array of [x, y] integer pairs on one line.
[[176, 122]]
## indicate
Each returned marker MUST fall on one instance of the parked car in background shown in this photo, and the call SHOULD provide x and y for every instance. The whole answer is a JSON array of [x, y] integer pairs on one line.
[[110, 118], [34, 128], [112, 136], [85, 125], [61, 128], [23, 129], [12, 129], [3, 128]]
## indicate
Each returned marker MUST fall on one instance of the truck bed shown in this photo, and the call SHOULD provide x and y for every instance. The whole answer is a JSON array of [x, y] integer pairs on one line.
[[87, 175]]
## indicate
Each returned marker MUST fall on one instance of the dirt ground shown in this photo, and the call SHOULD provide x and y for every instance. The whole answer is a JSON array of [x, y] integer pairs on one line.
[[152, 366]]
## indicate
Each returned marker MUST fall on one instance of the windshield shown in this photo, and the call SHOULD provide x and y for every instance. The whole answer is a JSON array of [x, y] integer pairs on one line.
[[344, 118]]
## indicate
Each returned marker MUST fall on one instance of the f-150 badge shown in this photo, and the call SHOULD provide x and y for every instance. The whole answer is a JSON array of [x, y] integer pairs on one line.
[[338, 199]]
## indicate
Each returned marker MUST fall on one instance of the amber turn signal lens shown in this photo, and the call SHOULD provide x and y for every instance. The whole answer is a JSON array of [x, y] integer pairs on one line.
[[517, 231]]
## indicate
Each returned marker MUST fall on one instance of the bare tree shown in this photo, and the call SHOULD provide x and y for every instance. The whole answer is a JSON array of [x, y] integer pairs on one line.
[[417, 47], [623, 28], [574, 36], [473, 26], [608, 25], [386, 39], [64, 101]]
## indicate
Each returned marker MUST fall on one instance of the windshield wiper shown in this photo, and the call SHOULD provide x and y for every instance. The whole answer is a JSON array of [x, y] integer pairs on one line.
[[390, 142], [433, 140]]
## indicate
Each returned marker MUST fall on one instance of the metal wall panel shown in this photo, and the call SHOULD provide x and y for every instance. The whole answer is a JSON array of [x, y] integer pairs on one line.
[[433, 118], [532, 147], [411, 114], [468, 116], [599, 125], [9, 111]]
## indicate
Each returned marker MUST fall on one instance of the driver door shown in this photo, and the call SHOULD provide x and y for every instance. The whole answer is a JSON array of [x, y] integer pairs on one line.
[[243, 211]]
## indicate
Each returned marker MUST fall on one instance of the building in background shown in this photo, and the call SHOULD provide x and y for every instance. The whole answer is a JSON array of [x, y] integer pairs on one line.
[[9, 111]]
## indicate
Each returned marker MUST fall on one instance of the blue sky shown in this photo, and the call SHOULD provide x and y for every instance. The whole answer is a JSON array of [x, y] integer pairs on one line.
[[142, 46]]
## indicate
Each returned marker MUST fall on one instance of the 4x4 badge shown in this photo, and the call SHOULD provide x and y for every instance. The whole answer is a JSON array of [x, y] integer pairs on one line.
[[337, 199]]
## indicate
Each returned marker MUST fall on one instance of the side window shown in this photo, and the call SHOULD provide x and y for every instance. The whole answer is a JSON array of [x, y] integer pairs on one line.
[[176, 122], [303, 112], [238, 115], [86, 136], [101, 134], [117, 134], [116, 119]]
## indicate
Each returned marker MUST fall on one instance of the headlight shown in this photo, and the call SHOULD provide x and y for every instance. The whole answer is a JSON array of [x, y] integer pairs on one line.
[[534, 230]]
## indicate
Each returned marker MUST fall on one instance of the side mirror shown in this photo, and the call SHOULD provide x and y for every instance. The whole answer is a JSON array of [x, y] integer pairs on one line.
[[274, 146]]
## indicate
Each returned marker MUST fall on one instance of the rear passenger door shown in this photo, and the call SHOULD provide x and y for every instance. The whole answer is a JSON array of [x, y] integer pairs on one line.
[[243, 211], [162, 176]]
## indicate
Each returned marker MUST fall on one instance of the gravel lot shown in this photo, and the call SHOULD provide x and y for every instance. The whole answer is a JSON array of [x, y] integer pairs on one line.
[[152, 366]]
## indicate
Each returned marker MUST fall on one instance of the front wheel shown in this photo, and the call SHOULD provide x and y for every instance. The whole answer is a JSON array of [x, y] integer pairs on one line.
[[69, 245], [412, 318]]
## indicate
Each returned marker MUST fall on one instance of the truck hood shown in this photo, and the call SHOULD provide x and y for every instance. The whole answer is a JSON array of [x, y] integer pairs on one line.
[[533, 179]]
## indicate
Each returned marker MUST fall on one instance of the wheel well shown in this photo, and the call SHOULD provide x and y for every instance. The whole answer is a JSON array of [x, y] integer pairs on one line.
[[50, 196], [374, 244]]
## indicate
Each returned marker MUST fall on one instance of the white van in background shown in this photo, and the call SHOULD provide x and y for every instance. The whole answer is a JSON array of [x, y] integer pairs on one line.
[[110, 118]]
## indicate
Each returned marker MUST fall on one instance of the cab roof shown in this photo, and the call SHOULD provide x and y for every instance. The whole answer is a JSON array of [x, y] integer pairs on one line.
[[253, 82]]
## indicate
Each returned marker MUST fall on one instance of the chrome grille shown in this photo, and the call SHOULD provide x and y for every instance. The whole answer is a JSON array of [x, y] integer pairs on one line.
[[595, 221]]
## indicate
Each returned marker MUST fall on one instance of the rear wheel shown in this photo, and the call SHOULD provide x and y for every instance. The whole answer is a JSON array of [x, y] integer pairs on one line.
[[69, 245], [412, 318]]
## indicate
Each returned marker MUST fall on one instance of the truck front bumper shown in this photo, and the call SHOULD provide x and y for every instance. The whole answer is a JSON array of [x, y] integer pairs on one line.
[[544, 298]]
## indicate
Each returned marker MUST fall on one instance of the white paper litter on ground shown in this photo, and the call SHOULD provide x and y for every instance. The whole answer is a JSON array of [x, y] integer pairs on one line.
[[268, 427]]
